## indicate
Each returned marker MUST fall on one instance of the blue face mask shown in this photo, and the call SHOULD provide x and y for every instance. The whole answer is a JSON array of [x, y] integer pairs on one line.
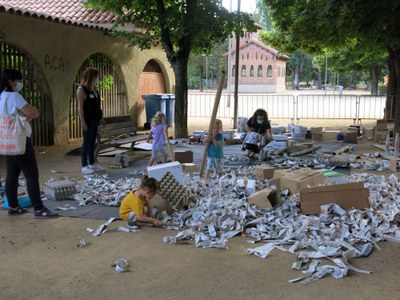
[[97, 81], [18, 87], [260, 122]]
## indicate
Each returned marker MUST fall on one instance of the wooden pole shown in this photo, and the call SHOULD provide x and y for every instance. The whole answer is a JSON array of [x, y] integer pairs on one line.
[[212, 121], [169, 148]]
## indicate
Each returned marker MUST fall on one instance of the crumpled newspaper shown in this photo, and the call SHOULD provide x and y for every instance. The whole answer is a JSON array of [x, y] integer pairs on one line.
[[102, 228], [99, 189], [121, 265], [220, 212]]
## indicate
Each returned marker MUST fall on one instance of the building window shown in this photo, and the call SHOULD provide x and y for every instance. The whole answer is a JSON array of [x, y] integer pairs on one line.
[[266, 57], [243, 72], [269, 71], [260, 71], [247, 55], [279, 71], [252, 71], [261, 57], [256, 55], [233, 71], [242, 56]]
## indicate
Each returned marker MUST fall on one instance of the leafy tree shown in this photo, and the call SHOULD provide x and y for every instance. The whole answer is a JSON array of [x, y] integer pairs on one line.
[[315, 25], [179, 26]]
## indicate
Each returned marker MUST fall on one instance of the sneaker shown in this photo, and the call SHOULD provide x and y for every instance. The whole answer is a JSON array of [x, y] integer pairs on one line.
[[87, 170], [45, 213], [17, 211], [97, 168], [133, 225]]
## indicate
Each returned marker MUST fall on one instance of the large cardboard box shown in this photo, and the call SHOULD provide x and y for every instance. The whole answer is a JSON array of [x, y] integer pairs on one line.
[[300, 179], [368, 133], [183, 156], [348, 195], [267, 198], [189, 167], [351, 136], [316, 130], [317, 137], [265, 172], [381, 124], [380, 136], [278, 173], [158, 171]]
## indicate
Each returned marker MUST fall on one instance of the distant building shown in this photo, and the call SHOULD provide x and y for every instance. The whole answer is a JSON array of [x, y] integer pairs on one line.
[[262, 69]]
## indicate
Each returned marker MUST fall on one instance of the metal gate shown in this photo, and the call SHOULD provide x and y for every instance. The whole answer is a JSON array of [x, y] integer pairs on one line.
[[35, 91], [112, 91]]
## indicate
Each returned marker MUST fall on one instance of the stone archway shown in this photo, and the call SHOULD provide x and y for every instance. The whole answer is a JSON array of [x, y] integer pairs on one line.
[[151, 81], [112, 92], [36, 91]]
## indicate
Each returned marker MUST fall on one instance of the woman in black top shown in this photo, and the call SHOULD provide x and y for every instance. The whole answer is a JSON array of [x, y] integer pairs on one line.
[[259, 121], [90, 114]]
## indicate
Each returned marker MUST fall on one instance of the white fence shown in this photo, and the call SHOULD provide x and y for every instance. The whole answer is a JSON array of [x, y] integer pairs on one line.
[[310, 106]]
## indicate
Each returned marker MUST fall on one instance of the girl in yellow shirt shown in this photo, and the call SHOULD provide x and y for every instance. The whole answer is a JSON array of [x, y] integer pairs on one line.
[[136, 206]]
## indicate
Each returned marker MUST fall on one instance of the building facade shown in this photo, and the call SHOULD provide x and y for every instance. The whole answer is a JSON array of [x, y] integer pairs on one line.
[[52, 42], [262, 69]]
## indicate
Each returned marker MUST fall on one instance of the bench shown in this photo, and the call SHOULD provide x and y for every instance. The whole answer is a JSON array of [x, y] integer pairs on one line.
[[118, 131]]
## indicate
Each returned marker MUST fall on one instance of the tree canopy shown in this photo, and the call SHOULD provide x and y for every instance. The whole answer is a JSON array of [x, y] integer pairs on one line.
[[180, 27]]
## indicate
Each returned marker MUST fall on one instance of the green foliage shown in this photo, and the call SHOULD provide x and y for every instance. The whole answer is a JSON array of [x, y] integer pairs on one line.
[[382, 89], [106, 83]]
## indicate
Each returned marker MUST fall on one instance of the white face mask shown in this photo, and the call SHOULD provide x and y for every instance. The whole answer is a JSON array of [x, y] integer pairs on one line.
[[260, 122], [18, 87]]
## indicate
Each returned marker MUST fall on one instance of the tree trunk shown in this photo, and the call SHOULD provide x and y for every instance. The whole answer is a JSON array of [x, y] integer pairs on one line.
[[390, 109], [319, 79], [396, 60], [181, 97], [296, 79], [201, 78], [374, 76]]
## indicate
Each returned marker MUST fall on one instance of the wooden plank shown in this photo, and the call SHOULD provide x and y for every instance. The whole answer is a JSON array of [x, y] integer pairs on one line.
[[382, 147]]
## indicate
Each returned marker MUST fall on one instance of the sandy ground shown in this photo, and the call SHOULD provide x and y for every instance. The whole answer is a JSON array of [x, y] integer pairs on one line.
[[40, 260]]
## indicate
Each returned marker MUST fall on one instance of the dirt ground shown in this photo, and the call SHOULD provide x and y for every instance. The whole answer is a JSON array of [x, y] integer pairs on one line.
[[40, 260]]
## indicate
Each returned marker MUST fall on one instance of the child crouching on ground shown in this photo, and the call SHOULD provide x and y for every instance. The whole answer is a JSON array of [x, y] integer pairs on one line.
[[136, 206], [159, 133], [215, 154], [250, 142]]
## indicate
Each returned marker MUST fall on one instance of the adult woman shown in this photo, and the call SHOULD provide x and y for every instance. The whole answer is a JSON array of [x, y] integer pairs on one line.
[[90, 114], [10, 86], [260, 123]]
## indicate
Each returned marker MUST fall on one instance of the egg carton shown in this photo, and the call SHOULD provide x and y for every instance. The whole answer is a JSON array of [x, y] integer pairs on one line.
[[60, 189], [175, 194]]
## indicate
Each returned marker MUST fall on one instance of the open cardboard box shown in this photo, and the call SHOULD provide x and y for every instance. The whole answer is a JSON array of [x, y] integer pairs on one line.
[[300, 179], [267, 198], [265, 172], [348, 195]]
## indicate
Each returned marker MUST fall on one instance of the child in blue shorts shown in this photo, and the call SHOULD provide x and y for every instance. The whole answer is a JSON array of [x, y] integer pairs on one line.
[[215, 154]]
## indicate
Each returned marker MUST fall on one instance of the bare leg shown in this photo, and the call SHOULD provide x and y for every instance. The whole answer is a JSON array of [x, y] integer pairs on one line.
[[152, 161], [208, 173], [164, 159]]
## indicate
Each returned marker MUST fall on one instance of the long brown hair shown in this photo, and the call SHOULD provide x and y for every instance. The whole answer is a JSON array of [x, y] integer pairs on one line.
[[89, 77]]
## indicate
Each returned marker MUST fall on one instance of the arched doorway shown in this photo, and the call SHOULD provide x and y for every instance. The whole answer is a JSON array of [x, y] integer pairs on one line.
[[151, 82], [112, 91], [36, 91]]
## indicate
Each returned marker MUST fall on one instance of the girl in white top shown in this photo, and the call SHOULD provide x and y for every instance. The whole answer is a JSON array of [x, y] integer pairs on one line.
[[10, 86]]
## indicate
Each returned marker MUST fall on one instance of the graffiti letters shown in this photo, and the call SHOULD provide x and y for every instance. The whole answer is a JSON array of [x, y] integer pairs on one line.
[[54, 63]]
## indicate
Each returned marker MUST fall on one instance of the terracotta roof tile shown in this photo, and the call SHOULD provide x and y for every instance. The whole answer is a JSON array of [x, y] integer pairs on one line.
[[64, 11]]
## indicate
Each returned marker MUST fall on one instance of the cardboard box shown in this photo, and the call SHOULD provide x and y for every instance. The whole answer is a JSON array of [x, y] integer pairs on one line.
[[189, 167], [317, 137], [300, 179], [275, 182], [278, 173], [265, 172], [348, 195], [316, 130], [381, 124], [249, 185], [183, 156], [158, 171], [351, 137], [309, 145], [368, 133], [267, 198], [380, 136], [232, 141]]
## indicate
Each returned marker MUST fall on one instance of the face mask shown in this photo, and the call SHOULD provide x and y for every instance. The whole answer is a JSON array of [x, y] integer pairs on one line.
[[18, 87], [96, 81], [260, 122]]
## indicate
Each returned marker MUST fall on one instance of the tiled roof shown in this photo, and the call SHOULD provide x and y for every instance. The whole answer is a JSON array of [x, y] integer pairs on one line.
[[244, 44], [64, 11]]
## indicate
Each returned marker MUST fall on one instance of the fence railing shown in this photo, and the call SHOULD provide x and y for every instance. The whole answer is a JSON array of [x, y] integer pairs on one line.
[[308, 106]]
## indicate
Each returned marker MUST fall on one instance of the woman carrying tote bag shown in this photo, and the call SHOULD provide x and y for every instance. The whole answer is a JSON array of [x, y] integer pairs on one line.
[[13, 102]]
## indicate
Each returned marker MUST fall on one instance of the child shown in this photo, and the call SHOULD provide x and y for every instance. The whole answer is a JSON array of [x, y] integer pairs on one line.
[[250, 142], [136, 206], [215, 155], [159, 133]]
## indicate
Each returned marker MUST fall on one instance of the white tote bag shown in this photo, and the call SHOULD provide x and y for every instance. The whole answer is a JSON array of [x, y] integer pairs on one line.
[[12, 133]]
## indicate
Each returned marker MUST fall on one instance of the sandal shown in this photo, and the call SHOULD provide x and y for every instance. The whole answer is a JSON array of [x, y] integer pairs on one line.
[[17, 211]]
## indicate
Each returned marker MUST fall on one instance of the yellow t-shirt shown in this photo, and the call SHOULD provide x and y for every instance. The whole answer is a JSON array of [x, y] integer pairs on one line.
[[131, 203]]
